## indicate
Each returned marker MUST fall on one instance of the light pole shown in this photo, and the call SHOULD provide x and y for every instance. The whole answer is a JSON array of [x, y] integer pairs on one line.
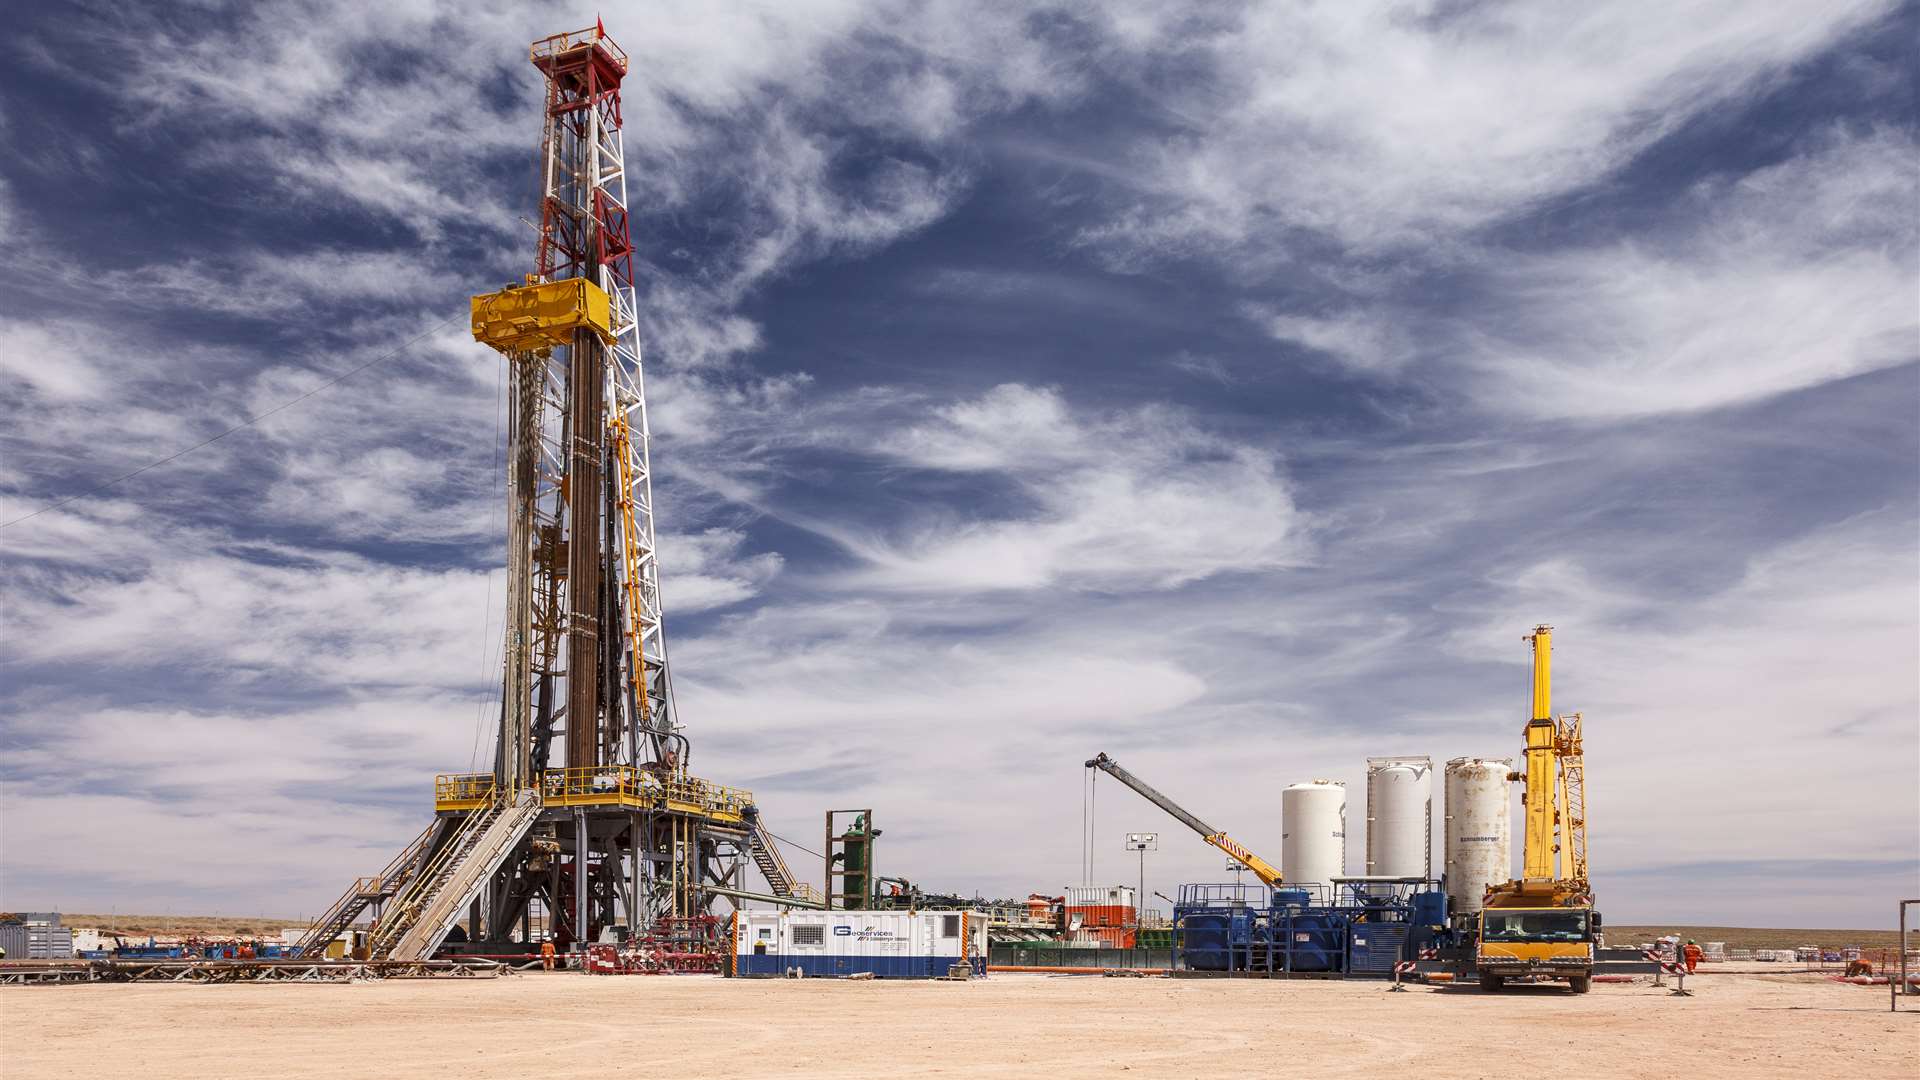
[[1141, 842], [1237, 867]]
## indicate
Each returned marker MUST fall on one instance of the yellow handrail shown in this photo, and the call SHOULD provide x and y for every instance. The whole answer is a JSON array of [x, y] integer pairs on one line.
[[594, 785]]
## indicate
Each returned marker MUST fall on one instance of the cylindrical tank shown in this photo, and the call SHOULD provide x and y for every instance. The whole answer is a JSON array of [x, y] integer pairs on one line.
[[1477, 830], [1400, 816], [1313, 836]]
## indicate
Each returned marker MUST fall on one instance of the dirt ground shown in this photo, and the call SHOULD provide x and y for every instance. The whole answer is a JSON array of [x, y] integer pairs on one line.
[[1007, 1025]]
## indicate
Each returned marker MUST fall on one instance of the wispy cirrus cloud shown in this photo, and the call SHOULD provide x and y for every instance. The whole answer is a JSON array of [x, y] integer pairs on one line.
[[1764, 282], [1744, 286], [1384, 126], [1133, 499]]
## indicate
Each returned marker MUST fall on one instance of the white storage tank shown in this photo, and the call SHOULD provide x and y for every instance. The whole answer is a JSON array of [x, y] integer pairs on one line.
[[1400, 816], [1313, 837], [1478, 830]]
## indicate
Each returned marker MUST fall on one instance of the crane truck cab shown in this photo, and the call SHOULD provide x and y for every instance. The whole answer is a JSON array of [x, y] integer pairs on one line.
[[1533, 938]]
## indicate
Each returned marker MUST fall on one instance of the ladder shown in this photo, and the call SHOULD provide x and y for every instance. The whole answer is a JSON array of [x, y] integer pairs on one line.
[[761, 847], [364, 893], [419, 918]]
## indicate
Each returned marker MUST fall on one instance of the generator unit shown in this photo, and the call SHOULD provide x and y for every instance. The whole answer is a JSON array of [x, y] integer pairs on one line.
[[880, 944]]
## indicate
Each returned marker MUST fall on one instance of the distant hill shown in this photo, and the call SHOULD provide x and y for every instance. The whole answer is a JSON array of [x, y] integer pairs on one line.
[[174, 926], [1746, 937]]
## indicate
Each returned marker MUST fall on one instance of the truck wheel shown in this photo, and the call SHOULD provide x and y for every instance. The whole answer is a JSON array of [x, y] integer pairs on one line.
[[1581, 983], [1491, 983]]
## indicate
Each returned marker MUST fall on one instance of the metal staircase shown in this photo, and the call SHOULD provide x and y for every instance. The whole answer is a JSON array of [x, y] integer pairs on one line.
[[418, 919], [364, 893], [762, 849]]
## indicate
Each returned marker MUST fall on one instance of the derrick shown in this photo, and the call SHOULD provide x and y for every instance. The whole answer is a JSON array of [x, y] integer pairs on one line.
[[588, 820]]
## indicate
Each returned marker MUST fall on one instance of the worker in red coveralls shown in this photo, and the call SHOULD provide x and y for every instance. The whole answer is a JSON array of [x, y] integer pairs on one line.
[[1692, 953], [546, 955]]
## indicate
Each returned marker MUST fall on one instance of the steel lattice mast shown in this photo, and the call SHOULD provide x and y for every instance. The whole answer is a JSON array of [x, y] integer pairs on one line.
[[586, 648]]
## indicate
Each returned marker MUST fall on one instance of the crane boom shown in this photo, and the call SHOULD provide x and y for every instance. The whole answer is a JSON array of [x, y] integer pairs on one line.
[[1555, 799], [1262, 869], [1542, 815]]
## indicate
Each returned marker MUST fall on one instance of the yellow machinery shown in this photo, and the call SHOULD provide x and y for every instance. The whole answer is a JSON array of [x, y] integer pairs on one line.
[[1542, 924], [1267, 873], [540, 315]]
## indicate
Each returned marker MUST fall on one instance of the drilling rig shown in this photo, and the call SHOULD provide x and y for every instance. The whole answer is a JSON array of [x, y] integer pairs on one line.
[[1543, 923], [589, 824]]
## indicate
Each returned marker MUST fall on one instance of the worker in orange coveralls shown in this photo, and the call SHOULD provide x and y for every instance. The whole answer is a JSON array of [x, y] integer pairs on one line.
[[1692, 953], [546, 955]]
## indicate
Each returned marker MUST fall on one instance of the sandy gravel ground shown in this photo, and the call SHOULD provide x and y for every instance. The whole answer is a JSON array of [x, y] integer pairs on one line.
[[565, 1025]]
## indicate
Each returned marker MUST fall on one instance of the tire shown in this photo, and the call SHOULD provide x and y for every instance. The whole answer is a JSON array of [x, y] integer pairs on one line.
[[1580, 984], [1490, 983]]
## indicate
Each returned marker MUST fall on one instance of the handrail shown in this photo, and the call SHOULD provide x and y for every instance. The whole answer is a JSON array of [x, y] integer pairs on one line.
[[361, 893], [597, 784], [763, 847], [407, 910], [574, 39], [457, 882]]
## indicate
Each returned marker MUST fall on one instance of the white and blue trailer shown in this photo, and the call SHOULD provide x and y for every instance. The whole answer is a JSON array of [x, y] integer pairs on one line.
[[885, 944]]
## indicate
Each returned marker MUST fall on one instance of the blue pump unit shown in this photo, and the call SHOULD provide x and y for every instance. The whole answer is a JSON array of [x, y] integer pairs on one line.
[[1351, 927]]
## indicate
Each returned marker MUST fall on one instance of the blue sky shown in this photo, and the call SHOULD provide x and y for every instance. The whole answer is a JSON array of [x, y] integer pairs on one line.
[[1225, 387]]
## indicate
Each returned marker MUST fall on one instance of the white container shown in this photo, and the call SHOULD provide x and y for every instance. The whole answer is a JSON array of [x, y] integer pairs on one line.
[[887, 944], [1400, 817], [1313, 837], [1478, 831], [1099, 896]]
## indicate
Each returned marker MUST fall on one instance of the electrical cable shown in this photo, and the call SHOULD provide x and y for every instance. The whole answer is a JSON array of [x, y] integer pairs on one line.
[[790, 843], [486, 625], [248, 422]]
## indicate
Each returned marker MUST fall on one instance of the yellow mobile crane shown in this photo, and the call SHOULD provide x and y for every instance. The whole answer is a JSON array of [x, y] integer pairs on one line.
[[1268, 874], [1542, 924]]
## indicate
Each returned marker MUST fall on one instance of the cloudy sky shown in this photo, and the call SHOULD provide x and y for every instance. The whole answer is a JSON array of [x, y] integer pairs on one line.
[[1226, 387]]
